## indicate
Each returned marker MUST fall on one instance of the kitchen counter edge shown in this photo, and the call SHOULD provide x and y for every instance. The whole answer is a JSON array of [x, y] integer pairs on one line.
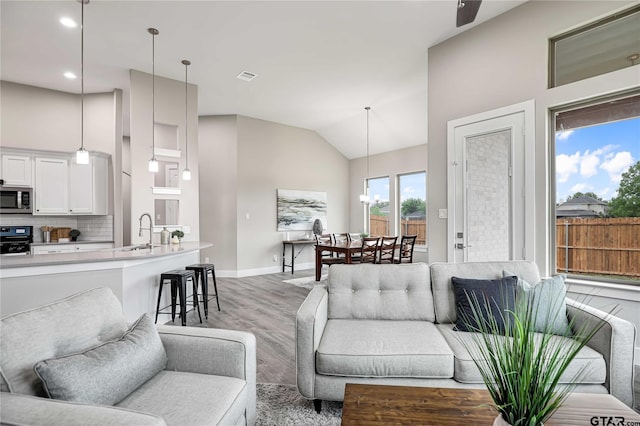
[[106, 255]]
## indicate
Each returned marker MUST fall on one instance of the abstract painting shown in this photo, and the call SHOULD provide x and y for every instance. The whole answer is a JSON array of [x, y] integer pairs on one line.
[[298, 209]]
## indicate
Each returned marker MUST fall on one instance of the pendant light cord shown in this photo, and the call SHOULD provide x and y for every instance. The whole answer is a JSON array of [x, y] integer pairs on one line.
[[82, 75], [368, 109], [186, 114], [153, 95]]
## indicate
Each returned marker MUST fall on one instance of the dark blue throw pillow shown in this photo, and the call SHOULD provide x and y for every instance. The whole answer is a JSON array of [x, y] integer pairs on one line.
[[491, 298]]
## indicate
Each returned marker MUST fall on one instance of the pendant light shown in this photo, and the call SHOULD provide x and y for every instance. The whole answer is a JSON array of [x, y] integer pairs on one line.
[[82, 155], [364, 198], [186, 173], [153, 163]]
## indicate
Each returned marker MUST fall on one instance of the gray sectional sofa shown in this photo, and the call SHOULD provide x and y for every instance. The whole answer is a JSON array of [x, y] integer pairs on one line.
[[393, 324], [114, 373]]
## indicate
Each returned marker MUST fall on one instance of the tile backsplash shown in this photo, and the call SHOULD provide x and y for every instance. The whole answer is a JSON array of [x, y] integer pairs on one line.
[[92, 228]]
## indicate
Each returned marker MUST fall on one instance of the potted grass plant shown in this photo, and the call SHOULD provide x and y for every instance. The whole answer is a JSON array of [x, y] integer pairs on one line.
[[520, 366]]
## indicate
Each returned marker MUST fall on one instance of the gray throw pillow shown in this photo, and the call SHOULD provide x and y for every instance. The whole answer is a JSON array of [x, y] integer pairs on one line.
[[492, 300], [548, 299], [107, 373]]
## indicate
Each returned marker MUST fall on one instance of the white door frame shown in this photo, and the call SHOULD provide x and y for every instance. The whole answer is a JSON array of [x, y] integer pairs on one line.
[[528, 190]]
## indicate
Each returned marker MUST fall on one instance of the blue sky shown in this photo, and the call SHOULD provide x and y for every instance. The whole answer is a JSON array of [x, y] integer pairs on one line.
[[413, 186], [592, 159]]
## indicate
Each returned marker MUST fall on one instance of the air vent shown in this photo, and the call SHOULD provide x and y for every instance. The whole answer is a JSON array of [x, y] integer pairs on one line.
[[246, 76]]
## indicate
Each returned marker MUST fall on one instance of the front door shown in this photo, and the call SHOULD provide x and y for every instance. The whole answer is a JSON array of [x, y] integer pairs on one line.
[[487, 191]]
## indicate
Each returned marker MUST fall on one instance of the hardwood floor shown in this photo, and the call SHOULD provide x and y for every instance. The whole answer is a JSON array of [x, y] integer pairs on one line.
[[266, 307]]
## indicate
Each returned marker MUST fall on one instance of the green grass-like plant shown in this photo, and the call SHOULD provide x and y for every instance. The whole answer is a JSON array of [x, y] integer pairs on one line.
[[520, 367]]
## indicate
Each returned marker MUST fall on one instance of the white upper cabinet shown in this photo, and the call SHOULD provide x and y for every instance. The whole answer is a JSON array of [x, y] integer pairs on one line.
[[16, 170], [51, 189], [81, 187]]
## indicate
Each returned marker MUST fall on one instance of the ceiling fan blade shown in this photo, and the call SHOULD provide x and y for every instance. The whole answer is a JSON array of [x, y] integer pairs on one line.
[[467, 11]]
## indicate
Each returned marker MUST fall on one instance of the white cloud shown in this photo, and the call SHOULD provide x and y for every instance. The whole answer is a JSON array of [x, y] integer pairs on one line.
[[581, 187], [589, 163], [604, 193], [563, 135], [617, 164], [566, 165]]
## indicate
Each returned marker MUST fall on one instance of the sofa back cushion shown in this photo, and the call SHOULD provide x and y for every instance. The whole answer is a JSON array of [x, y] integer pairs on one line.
[[67, 326], [382, 292], [441, 274]]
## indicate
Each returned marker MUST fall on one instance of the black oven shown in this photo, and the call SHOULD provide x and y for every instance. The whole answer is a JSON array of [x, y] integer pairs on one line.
[[15, 200], [15, 240]]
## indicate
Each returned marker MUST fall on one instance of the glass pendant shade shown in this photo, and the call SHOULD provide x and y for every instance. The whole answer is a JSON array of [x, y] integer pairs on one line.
[[153, 165], [82, 156], [186, 174]]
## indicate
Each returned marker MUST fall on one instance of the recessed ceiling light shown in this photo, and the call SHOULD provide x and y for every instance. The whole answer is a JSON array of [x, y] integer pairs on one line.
[[246, 76], [68, 22], [70, 75]]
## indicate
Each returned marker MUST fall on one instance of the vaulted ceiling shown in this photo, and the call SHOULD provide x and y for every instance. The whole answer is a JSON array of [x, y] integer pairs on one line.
[[318, 63]]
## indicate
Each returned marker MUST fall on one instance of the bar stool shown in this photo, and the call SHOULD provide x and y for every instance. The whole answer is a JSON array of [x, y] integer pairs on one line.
[[178, 279], [202, 271]]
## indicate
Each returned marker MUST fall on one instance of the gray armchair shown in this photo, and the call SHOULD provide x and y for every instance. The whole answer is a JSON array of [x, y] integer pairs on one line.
[[209, 376]]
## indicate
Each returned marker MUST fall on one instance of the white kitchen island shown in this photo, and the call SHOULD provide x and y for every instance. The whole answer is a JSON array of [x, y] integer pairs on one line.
[[133, 275]]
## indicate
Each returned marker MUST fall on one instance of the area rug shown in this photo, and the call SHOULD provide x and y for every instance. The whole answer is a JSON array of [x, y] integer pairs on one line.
[[282, 405], [307, 282]]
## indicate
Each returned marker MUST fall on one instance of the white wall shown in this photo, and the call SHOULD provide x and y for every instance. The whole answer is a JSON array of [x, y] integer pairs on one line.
[[499, 63], [268, 156], [391, 164], [218, 140], [503, 62], [169, 109], [42, 119]]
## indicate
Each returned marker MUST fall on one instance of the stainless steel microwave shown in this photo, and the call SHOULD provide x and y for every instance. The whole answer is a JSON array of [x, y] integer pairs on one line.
[[16, 200]]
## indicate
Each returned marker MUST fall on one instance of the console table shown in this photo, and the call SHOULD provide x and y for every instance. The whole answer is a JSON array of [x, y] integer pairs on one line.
[[301, 244], [382, 405]]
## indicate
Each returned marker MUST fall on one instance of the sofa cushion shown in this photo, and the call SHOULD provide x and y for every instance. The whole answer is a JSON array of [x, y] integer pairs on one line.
[[106, 374], [190, 399], [548, 301], [595, 369], [441, 273], [491, 302], [66, 326], [383, 348], [383, 292]]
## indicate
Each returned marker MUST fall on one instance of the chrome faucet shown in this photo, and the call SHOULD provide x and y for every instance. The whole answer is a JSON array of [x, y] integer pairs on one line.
[[150, 228]]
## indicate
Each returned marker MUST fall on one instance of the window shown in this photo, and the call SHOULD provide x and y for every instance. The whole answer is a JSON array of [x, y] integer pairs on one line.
[[598, 48], [412, 195], [597, 189], [380, 207]]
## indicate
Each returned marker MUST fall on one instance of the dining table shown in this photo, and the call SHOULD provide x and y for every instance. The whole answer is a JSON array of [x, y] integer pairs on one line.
[[347, 248]]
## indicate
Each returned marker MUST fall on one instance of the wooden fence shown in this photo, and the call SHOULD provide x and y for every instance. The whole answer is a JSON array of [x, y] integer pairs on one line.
[[598, 246], [379, 226]]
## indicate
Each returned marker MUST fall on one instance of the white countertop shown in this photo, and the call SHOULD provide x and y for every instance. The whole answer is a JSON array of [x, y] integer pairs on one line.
[[107, 255], [71, 242]]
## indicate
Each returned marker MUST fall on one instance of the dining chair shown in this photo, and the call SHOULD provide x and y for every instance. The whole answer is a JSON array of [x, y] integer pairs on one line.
[[407, 243], [328, 258], [341, 238], [369, 250], [387, 249]]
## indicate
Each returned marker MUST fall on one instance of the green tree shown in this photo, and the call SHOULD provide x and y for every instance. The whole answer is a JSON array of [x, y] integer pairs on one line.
[[627, 203], [412, 205], [587, 194]]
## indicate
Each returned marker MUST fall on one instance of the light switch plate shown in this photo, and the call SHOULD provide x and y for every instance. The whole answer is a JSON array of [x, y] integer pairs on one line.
[[186, 229], [442, 213]]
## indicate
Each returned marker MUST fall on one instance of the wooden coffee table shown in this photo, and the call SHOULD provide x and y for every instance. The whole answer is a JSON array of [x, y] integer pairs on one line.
[[394, 405]]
